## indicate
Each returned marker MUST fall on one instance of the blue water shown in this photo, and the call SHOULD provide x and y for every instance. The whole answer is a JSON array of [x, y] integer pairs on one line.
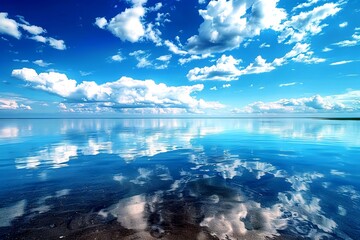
[[179, 179]]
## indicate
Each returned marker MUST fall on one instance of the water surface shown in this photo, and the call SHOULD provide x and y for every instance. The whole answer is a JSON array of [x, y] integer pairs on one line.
[[179, 179]]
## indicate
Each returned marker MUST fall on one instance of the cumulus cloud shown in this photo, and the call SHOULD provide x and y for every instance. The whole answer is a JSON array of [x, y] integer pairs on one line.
[[11, 27], [305, 24], [227, 67], [344, 24], [343, 102], [32, 29], [57, 44], [227, 23], [130, 24], [121, 94], [10, 104]]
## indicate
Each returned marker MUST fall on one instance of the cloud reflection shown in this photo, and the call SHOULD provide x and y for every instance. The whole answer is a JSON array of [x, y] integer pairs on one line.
[[8, 214]]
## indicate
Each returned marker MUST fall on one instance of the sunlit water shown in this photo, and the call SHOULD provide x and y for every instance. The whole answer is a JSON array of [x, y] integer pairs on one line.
[[179, 179]]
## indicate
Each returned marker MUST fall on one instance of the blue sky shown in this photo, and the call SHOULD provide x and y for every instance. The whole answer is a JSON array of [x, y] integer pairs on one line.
[[200, 57]]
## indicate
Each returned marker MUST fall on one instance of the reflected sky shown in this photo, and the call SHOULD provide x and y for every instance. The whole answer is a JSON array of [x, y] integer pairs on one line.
[[186, 178]]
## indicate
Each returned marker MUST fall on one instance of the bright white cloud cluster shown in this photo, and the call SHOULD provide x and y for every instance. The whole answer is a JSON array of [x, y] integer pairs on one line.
[[9, 26], [126, 25], [227, 67], [227, 23], [130, 25], [12, 28], [348, 102], [10, 104], [123, 93]]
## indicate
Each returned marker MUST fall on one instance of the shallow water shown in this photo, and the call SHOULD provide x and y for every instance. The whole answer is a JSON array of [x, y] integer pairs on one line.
[[179, 179]]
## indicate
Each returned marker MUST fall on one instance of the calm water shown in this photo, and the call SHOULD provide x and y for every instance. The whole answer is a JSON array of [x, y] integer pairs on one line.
[[179, 179]]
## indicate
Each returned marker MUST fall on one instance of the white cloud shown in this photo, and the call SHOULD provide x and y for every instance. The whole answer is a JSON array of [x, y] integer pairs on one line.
[[121, 94], [174, 49], [84, 74], [32, 29], [227, 23], [341, 62], [62, 106], [10, 104], [51, 82], [164, 58], [227, 69], [101, 22], [41, 63], [213, 88], [57, 44], [259, 66], [344, 24], [288, 84], [342, 102], [117, 57], [226, 85], [127, 25], [305, 24], [264, 45], [39, 38], [161, 18], [157, 7], [299, 53], [182, 61], [326, 49], [142, 58], [9, 26], [21, 60], [309, 3], [350, 43], [153, 34]]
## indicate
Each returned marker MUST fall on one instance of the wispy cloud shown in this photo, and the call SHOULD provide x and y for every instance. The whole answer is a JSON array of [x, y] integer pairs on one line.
[[341, 62], [289, 84]]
